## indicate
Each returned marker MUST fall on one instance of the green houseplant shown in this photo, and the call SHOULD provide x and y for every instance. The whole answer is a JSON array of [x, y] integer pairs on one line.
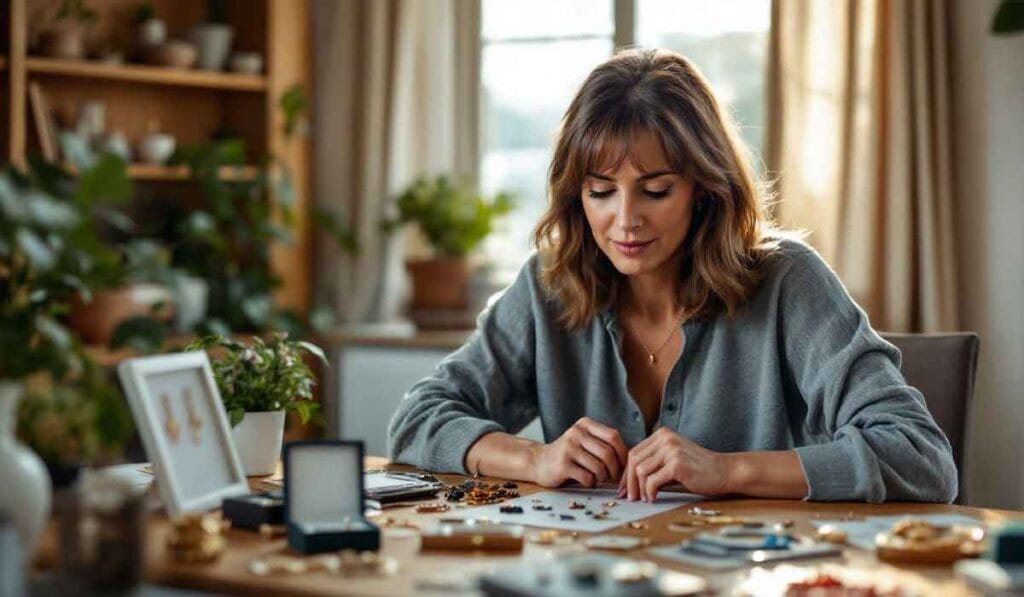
[[49, 254], [454, 220], [66, 39], [82, 421], [260, 382]]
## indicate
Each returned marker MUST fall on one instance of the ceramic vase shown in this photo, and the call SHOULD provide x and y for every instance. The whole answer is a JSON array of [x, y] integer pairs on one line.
[[258, 441], [191, 295], [26, 492], [213, 40]]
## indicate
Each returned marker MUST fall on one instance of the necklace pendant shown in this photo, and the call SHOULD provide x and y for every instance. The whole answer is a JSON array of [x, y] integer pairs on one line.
[[650, 358]]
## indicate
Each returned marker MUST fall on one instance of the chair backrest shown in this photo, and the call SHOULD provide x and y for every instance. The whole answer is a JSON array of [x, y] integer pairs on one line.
[[942, 367]]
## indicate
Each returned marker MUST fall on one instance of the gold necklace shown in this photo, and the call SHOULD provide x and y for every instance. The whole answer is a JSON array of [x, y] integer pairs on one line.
[[652, 354]]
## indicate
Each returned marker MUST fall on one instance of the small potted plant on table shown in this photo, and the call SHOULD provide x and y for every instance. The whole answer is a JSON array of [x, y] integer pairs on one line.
[[259, 383]]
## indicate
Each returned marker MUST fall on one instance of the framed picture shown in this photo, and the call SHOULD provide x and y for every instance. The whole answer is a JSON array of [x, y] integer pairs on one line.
[[184, 429]]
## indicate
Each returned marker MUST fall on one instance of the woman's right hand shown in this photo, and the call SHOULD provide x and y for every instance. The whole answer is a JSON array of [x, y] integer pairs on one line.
[[588, 452]]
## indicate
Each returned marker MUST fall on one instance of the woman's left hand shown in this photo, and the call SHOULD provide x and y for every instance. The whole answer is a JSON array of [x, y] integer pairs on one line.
[[665, 458]]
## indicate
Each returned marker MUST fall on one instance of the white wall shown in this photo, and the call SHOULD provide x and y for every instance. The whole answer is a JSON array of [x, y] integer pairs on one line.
[[988, 112]]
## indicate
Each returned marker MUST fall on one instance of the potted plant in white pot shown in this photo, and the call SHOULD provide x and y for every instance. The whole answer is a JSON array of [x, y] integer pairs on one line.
[[454, 221], [48, 254], [260, 383]]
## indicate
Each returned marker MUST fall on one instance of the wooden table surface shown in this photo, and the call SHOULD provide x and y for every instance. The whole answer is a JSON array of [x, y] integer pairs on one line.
[[418, 571]]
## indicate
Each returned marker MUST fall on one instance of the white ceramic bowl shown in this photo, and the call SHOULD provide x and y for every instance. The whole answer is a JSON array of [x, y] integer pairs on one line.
[[156, 148], [250, 63]]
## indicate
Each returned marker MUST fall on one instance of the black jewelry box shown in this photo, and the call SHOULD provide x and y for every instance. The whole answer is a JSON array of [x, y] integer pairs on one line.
[[323, 497], [250, 511]]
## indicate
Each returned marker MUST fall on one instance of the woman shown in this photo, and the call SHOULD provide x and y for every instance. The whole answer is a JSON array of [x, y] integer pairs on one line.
[[665, 334]]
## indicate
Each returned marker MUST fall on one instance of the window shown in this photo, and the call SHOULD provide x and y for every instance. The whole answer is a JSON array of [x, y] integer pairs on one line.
[[536, 53]]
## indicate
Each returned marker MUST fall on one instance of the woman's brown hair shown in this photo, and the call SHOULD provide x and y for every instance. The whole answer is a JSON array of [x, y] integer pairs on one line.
[[729, 236]]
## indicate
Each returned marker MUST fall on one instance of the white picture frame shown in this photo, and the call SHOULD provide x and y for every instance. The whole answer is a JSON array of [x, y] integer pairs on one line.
[[184, 429]]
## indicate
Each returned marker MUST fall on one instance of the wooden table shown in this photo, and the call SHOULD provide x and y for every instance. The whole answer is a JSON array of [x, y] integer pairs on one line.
[[230, 572]]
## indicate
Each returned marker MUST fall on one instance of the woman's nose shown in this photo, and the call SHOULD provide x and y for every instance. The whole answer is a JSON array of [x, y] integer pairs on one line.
[[627, 216]]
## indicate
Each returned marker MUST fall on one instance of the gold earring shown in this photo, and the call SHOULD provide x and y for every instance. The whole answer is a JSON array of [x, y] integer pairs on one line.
[[170, 423], [194, 422]]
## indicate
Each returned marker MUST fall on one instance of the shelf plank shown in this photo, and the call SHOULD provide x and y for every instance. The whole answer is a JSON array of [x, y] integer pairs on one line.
[[155, 172], [172, 173], [147, 74]]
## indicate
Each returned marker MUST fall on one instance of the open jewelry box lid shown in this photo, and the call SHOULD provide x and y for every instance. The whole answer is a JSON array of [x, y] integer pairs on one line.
[[323, 481]]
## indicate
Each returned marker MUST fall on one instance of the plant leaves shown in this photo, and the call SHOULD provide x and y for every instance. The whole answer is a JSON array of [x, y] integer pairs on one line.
[[48, 213], [106, 181], [1009, 18], [314, 350], [142, 333], [258, 308], [38, 253], [56, 333], [235, 416]]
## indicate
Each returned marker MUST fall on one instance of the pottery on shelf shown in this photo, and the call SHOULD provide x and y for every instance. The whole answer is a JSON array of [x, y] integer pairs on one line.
[[26, 490], [117, 144], [65, 41], [213, 41], [249, 63], [156, 148], [174, 54], [151, 33], [191, 296], [96, 320]]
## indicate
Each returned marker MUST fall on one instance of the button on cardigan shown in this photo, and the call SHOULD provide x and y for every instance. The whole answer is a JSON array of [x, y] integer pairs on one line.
[[799, 367]]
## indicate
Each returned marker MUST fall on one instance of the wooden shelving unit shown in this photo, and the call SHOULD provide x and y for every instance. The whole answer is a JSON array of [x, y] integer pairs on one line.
[[154, 75], [179, 173], [188, 104]]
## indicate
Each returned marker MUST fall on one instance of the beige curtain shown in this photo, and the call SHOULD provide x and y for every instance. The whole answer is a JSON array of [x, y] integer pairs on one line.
[[395, 99], [859, 141]]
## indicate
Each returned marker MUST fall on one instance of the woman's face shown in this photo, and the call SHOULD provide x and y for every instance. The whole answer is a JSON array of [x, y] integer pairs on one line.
[[639, 216]]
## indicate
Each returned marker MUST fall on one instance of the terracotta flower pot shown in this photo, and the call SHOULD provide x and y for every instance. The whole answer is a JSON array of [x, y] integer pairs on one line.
[[439, 283], [96, 320]]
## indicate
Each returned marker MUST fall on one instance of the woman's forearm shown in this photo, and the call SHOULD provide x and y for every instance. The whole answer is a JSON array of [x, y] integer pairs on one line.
[[502, 455], [767, 474]]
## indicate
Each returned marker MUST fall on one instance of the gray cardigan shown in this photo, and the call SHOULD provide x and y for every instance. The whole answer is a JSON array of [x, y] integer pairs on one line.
[[798, 368]]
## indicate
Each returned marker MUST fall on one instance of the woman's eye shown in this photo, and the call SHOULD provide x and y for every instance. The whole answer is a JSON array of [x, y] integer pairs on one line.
[[596, 194], [657, 194]]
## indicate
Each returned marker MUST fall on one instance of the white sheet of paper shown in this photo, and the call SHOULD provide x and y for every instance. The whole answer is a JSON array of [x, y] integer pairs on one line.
[[861, 533], [623, 512]]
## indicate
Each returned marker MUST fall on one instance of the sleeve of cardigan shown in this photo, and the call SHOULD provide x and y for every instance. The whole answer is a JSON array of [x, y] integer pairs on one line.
[[486, 385], [881, 443]]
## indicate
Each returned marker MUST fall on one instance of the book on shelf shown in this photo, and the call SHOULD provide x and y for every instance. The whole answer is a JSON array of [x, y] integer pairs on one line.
[[46, 126]]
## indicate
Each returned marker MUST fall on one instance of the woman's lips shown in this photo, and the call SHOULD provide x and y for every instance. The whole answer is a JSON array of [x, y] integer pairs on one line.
[[632, 248]]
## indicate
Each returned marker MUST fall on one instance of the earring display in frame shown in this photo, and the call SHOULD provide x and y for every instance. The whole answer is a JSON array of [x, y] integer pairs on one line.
[[184, 429]]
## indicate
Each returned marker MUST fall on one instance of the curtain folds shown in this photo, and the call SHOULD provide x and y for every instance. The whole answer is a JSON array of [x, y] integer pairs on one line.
[[859, 142], [395, 99]]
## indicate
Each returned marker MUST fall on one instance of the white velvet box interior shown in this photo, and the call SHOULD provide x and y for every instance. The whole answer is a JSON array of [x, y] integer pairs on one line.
[[324, 485]]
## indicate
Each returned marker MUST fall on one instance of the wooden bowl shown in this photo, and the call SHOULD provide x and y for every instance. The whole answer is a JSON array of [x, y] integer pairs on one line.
[[173, 54]]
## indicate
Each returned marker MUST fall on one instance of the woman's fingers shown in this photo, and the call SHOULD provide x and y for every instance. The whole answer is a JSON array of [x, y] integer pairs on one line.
[[655, 481], [645, 469], [590, 463], [579, 474], [605, 453], [607, 435]]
